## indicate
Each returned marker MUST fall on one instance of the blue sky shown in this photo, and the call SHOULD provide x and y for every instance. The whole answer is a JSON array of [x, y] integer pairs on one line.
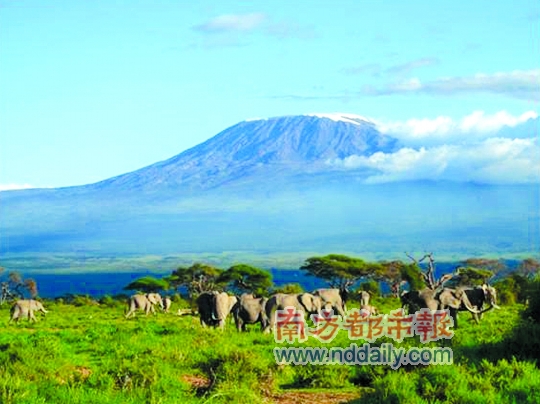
[[93, 89]]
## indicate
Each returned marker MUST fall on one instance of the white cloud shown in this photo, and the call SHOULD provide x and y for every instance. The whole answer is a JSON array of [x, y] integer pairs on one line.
[[493, 160], [232, 23], [12, 187], [443, 129], [522, 84]]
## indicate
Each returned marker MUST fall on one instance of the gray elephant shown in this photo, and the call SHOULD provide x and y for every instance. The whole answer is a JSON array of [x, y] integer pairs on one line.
[[364, 298], [335, 298], [415, 300], [303, 302], [369, 310], [214, 307], [144, 303], [250, 310], [167, 303], [26, 309], [435, 299], [473, 297]]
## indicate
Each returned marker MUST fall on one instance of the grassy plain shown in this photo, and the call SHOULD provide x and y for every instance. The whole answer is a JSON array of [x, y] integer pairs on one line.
[[90, 354]]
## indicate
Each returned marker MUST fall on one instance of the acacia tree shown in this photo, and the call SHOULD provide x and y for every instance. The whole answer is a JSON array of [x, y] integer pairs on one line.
[[15, 287], [148, 284], [492, 265], [397, 273], [196, 279], [245, 278], [467, 276], [528, 268], [340, 271]]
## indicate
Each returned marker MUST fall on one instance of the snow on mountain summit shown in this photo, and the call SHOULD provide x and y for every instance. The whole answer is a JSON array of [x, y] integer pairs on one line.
[[340, 117]]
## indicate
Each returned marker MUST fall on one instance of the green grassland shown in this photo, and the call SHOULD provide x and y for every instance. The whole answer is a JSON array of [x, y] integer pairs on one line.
[[88, 353]]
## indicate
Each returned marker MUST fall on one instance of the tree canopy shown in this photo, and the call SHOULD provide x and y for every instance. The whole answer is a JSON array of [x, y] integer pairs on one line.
[[340, 271], [148, 284], [15, 287], [197, 278], [493, 265], [470, 276], [529, 267], [414, 276], [246, 278]]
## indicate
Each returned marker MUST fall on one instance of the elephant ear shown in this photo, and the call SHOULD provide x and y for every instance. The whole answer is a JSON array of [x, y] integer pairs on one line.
[[449, 299]]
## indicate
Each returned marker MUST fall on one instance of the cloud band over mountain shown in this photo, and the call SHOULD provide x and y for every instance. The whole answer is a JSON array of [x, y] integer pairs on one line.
[[495, 149]]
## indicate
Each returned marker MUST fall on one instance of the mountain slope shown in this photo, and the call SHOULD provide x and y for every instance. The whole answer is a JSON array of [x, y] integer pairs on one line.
[[265, 186], [289, 145]]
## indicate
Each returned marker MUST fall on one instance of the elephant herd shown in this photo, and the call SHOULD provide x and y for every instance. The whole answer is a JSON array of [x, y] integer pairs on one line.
[[214, 307], [470, 299]]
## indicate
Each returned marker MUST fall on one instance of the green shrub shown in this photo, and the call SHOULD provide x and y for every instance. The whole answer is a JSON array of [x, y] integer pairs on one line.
[[533, 297], [291, 288], [371, 286]]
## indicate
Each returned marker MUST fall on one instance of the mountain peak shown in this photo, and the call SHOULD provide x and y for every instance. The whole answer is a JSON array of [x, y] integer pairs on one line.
[[336, 116], [341, 117], [289, 144]]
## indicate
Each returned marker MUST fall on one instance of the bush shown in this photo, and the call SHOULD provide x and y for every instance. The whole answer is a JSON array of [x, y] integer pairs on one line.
[[108, 301], [533, 296], [371, 286], [86, 300], [506, 297], [290, 288]]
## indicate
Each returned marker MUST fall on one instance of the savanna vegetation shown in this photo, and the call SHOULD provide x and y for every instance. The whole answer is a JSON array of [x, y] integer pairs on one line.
[[85, 351]]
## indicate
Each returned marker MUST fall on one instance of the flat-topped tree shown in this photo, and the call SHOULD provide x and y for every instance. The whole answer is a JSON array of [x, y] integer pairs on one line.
[[471, 276], [493, 265], [340, 271], [148, 284], [248, 279], [197, 278], [529, 268]]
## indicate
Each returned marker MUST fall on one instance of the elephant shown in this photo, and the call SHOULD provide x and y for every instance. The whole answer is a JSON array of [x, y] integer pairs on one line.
[[435, 299], [167, 303], [214, 307], [364, 298], [415, 300], [145, 303], [336, 298], [26, 308], [369, 310], [476, 297], [304, 302], [250, 310]]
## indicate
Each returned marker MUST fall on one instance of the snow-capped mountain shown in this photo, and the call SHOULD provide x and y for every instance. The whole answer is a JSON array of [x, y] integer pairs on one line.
[[266, 185], [290, 145]]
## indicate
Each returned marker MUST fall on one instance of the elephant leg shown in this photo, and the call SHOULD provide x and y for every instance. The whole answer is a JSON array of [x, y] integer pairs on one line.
[[476, 317], [221, 323], [454, 314], [340, 310], [14, 315], [130, 312], [270, 323], [31, 316]]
